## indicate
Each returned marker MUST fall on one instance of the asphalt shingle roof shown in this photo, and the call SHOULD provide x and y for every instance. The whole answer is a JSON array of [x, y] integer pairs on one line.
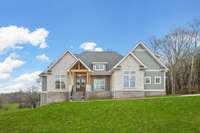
[[111, 57]]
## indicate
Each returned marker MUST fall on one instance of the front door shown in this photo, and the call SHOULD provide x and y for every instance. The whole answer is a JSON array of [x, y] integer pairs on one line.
[[80, 82]]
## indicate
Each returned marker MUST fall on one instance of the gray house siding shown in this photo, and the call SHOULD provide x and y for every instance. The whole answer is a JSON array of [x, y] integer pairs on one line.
[[146, 58], [100, 94], [152, 65], [154, 86], [107, 81]]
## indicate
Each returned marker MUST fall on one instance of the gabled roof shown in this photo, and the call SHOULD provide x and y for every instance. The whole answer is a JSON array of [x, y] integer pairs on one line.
[[54, 63], [150, 52], [79, 60], [88, 57], [109, 57], [135, 57]]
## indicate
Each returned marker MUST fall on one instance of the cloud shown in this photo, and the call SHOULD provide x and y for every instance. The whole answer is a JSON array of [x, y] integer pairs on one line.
[[90, 46], [42, 57], [14, 37], [98, 49], [22, 82], [4, 76], [8, 65]]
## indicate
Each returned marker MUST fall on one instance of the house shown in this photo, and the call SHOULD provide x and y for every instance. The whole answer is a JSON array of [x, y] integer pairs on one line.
[[104, 75]]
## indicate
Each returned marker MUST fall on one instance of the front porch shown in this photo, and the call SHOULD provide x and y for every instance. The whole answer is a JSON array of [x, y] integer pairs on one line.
[[79, 80]]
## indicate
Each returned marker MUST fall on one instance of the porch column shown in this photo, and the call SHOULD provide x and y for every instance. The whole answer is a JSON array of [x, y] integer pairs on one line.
[[71, 77], [88, 83], [88, 86]]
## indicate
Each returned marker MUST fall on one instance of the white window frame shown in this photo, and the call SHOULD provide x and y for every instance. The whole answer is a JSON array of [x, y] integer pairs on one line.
[[61, 77], [147, 77], [156, 78], [129, 79], [95, 85], [99, 69]]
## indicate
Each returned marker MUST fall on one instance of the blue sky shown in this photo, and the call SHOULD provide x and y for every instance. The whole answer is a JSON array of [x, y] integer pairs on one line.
[[111, 24]]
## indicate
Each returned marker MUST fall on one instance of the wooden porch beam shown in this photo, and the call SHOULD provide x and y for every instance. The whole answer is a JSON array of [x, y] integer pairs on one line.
[[76, 70]]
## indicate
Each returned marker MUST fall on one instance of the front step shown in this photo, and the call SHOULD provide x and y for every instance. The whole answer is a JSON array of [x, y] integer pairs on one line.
[[78, 96]]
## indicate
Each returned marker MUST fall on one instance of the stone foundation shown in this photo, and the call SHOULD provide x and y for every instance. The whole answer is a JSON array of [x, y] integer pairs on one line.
[[51, 97], [43, 98], [98, 94], [154, 93], [128, 94]]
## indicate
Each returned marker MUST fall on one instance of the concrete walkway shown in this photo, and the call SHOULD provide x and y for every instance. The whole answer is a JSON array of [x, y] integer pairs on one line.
[[189, 95]]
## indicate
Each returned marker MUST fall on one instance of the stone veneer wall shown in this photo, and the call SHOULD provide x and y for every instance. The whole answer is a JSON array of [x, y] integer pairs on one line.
[[98, 94], [154, 93], [128, 94], [51, 97]]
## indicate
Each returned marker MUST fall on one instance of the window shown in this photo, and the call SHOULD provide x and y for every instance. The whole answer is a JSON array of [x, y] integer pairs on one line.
[[60, 81], [99, 67], [99, 84], [157, 80], [147, 80], [44, 83], [129, 79]]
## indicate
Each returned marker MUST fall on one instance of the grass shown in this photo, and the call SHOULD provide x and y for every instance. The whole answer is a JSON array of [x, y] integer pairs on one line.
[[9, 108], [165, 115]]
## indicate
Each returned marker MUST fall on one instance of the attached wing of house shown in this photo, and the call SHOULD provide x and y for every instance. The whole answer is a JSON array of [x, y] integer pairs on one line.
[[103, 75]]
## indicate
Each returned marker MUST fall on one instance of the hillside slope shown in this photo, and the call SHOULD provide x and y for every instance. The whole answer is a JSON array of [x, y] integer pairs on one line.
[[174, 114]]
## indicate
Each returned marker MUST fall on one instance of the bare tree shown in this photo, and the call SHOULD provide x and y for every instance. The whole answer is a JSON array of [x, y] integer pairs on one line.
[[194, 27], [174, 48]]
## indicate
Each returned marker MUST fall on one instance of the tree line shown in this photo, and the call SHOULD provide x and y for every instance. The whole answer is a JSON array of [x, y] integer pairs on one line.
[[23, 99], [180, 51]]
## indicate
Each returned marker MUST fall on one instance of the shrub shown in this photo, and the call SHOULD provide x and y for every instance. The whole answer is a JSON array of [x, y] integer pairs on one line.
[[24, 105], [3, 102]]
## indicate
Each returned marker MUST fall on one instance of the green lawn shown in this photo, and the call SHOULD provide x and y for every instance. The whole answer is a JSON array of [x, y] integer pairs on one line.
[[165, 115], [9, 108]]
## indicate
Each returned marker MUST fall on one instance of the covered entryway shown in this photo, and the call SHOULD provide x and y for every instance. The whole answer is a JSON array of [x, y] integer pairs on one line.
[[80, 81], [79, 75]]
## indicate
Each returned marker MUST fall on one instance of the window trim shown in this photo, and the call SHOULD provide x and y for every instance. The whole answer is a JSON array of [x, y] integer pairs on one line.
[[146, 78], [129, 87], [94, 85], [95, 68], [156, 78], [60, 80]]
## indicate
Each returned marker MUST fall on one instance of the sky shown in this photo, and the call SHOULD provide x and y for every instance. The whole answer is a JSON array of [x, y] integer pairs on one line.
[[33, 33]]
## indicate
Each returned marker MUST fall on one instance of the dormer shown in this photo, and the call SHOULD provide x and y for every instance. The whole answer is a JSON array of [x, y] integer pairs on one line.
[[99, 66]]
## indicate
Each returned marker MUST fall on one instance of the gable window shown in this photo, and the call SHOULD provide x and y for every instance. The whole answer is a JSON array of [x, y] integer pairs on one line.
[[157, 80], [147, 80], [129, 79], [60, 81], [99, 67], [99, 84]]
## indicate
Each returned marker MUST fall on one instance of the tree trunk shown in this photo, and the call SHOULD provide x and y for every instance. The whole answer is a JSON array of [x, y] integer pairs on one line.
[[191, 76], [172, 81]]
